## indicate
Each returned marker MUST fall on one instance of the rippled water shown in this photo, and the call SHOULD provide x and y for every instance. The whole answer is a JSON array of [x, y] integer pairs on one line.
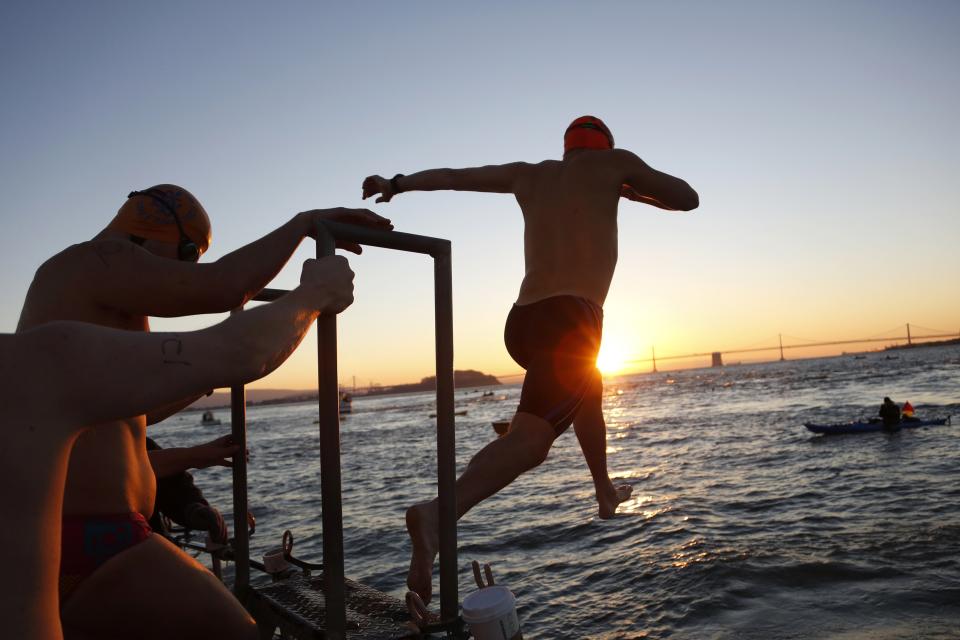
[[742, 524]]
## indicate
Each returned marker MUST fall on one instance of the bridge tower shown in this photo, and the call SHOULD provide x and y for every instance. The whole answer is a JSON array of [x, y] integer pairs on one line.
[[717, 360]]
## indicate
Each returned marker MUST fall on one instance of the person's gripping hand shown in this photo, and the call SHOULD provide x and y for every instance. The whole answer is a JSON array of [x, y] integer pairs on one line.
[[215, 453], [359, 217], [372, 185], [330, 282], [203, 517]]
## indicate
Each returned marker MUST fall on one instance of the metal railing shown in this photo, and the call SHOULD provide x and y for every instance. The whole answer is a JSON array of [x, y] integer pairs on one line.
[[329, 406]]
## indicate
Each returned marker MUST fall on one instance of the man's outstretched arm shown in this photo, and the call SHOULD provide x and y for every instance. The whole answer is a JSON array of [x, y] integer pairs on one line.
[[170, 461], [106, 374], [134, 281], [494, 178], [643, 183]]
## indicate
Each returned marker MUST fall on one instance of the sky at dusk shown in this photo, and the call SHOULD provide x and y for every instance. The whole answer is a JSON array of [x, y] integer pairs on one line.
[[822, 138]]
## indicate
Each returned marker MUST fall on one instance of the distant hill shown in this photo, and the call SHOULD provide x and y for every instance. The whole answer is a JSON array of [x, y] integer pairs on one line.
[[461, 378], [221, 398]]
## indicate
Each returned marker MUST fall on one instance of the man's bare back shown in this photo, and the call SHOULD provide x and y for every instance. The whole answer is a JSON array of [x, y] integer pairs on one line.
[[570, 228]]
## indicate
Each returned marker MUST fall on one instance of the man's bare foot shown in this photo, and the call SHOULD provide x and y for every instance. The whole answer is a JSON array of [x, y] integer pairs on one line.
[[610, 500], [423, 523]]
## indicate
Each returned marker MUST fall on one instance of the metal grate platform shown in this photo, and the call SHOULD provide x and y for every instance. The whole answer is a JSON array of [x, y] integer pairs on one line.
[[296, 606]]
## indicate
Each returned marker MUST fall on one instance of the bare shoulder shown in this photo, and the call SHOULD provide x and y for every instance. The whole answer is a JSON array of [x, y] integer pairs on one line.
[[89, 256], [107, 253], [522, 175], [522, 169], [543, 165], [624, 159], [624, 165], [544, 168], [61, 274], [71, 270], [66, 285]]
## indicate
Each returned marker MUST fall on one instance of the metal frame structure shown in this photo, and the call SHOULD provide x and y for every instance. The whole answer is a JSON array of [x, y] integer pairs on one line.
[[327, 233]]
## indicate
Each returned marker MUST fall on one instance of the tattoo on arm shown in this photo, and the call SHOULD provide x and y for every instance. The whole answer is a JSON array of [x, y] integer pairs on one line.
[[172, 350], [106, 249]]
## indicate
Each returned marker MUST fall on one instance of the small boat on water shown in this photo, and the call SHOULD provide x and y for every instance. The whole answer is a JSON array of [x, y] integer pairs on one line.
[[346, 403], [872, 427], [208, 419], [461, 412]]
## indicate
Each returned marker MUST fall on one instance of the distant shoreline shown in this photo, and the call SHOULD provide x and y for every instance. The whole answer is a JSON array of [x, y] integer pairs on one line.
[[462, 379], [937, 343]]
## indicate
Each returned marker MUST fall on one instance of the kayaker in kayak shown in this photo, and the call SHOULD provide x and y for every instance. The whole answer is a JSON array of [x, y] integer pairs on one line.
[[890, 414]]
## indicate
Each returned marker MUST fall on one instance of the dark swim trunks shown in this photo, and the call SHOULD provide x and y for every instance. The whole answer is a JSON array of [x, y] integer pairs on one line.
[[89, 541], [556, 340]]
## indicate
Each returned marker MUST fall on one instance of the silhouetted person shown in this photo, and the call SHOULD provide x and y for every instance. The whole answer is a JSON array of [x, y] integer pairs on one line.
[[179, 498], [890, 414], [553, 331]]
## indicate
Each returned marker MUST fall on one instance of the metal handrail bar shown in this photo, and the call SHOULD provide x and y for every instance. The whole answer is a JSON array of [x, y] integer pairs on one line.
[[241, 541], [389, 239], [328, 400], [328, 407]]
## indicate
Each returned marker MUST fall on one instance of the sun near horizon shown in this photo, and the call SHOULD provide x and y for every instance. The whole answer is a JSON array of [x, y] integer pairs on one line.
[[613, 357]]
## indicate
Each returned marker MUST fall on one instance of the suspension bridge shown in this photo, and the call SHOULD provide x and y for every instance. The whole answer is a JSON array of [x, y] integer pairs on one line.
[[908, 338], [899, 335]]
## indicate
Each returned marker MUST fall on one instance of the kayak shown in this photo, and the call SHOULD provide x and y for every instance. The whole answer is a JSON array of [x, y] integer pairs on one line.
[[868, 427]]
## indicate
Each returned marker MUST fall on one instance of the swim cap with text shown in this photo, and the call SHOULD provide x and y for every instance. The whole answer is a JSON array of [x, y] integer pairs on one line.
[[146, 217]]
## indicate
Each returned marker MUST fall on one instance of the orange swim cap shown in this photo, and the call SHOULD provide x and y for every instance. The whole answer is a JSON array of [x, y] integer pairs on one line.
[[587, 132], [154, 213]]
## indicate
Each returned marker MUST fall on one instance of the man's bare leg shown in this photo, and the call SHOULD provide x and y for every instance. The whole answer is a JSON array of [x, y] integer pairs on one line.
[[154, 590], [495, 466], [591, 432]]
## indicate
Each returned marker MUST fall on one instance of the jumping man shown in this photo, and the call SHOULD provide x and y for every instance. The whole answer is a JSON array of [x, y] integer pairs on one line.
[[569, 209]]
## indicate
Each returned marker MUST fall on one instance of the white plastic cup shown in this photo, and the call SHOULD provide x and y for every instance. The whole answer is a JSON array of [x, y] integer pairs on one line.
[[274, 562], [492, 614]]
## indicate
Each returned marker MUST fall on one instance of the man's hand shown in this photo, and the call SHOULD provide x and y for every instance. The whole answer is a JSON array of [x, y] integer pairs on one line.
[[215, 453], [202, 517], [329, 281], [373, 185], [359, 217]]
